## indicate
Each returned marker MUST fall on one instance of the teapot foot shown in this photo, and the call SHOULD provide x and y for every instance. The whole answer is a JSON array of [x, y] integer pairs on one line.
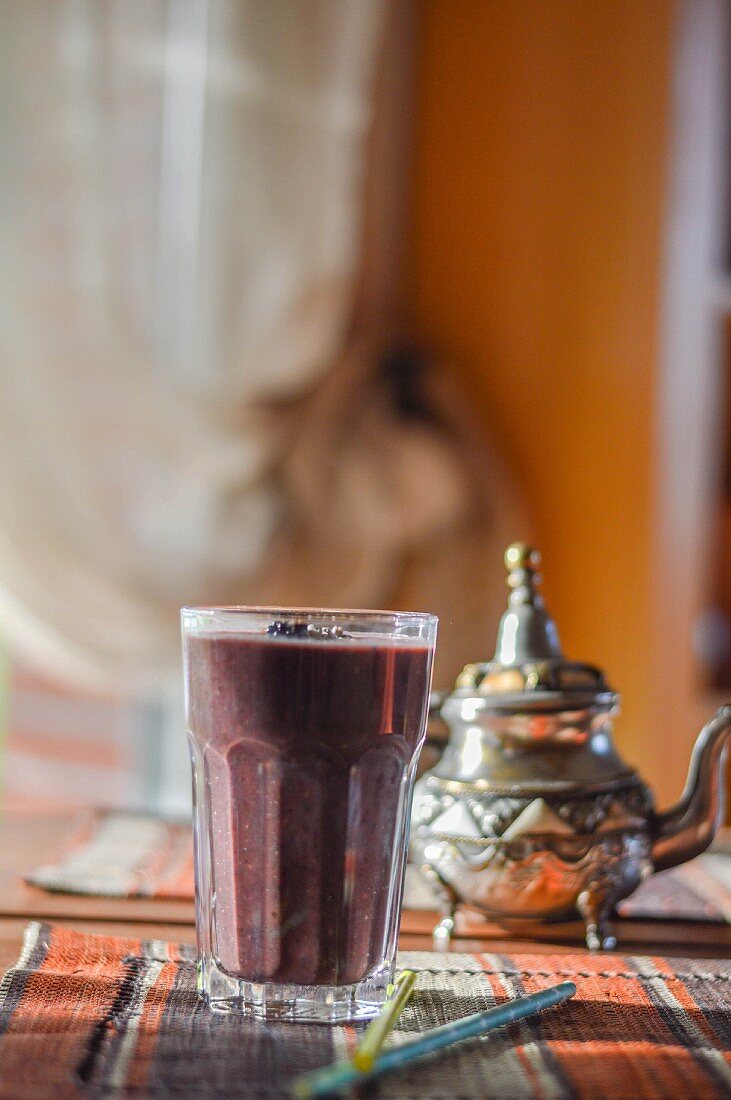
[[594, 910], [442, 934]]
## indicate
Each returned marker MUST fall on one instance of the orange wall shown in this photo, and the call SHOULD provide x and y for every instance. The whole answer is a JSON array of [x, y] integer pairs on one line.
[[535, 267]]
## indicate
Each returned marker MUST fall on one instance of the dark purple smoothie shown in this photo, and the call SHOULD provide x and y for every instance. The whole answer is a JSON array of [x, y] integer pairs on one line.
[[306, 746]]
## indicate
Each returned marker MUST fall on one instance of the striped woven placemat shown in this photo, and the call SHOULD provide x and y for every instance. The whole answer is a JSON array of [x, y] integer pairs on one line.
[[84, 1015], [118, 854], [136, 855]]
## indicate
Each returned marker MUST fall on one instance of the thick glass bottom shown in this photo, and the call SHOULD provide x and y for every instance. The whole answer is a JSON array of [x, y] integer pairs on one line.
[[323, 1004]]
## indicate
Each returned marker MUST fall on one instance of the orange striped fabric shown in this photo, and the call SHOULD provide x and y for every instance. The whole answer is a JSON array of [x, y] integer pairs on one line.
[[84, 1015]]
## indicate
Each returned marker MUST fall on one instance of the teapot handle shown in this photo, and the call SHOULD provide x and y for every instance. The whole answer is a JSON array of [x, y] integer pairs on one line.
[[686, 829]]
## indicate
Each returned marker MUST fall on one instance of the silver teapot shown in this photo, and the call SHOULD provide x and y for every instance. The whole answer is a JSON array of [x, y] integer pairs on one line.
[[531, 814]]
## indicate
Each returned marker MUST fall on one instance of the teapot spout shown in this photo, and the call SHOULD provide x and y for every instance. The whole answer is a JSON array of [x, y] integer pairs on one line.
[[686, 829]]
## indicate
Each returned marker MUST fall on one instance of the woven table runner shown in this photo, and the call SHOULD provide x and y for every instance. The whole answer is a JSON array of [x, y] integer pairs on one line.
[[121, 855], [135, 855], [95, 1016]]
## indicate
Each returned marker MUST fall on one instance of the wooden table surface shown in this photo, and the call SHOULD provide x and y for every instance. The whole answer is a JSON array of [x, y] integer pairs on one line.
[[26, 841]]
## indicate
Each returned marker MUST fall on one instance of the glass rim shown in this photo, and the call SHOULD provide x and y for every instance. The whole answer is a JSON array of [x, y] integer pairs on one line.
[[367, 614], [365, 624]]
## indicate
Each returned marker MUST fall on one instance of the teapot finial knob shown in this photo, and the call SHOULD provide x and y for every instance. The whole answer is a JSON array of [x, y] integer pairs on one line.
[[522, 561], [526, 632], [521, 555]]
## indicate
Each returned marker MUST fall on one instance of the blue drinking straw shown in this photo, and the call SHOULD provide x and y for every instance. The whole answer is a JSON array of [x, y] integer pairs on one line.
[[335, 1078]]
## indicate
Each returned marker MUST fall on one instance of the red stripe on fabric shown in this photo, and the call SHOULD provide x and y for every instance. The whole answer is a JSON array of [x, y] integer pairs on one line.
[[46, 747], [495, 981], [642, 1071], [24, 678], [15, 803], [352, 1038], [62, 1002], [152, 1014]]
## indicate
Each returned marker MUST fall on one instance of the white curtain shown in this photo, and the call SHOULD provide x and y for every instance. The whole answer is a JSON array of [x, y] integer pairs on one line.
[[180, 185], [184, 417]]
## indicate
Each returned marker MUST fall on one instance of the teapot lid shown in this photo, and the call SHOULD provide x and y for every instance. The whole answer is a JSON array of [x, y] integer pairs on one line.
[[529, 665]]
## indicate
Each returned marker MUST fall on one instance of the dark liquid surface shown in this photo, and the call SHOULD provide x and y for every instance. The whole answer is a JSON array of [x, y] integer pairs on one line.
[[305, 749]]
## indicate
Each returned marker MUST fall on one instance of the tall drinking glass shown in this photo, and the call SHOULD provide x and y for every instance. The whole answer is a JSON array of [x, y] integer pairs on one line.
[[305, 728]]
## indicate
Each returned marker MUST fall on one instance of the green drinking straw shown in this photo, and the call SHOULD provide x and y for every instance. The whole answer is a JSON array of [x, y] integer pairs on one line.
[[369, 1048], [335, 1078]]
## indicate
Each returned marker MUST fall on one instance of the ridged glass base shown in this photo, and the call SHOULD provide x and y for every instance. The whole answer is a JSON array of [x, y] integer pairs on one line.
[[324, 1004]]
